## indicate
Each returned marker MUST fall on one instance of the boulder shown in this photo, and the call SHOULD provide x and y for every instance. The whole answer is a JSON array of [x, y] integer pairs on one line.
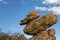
[[44, 35], [31, 16], [38, 27], [42, 23]]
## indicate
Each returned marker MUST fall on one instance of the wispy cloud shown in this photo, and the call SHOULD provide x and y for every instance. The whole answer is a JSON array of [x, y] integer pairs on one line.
[[40, 8], [51, 2], [55, 10], [3, 1]]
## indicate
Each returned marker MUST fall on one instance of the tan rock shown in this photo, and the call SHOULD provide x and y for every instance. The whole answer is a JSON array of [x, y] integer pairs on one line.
[[51, 32], [31, 16], [42, 23], [44, 32], [40, 36], [51, 38], [38, 27]]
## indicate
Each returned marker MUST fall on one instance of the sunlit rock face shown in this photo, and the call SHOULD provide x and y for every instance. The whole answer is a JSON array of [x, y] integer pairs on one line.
[[42, 23], [38, 27], [31, 16], [44, 35]]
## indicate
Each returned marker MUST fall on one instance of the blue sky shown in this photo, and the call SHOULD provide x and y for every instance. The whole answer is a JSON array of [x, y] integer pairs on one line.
[[12, 11]]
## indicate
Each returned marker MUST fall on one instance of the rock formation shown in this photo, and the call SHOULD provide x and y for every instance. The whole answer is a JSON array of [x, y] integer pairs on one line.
[[31, 16], [38, 27]]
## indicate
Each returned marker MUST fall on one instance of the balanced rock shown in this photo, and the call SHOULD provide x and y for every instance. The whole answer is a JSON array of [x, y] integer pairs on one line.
[[42, 23], [38, 27], [31, 16]]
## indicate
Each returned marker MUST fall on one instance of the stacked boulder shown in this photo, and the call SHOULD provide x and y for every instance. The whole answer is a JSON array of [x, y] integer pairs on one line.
[[38, 27]]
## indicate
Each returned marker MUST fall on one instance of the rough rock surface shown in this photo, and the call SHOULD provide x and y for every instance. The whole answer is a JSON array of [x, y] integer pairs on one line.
[[31, 16], [42, 23], [38, 27], [44, 35]]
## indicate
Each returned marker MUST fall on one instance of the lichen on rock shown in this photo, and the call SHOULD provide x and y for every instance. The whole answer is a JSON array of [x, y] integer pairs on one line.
[[38, 26]]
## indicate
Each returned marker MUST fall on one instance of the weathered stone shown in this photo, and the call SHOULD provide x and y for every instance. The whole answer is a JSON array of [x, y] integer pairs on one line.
[[38, 27], [44, 32], [51, 38], [42, 23], [51, 32], [40, 37], [43, 35], [30, 17]]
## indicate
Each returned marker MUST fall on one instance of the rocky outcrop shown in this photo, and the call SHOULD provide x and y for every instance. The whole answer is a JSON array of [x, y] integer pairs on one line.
[[45, 35], [42, 23], [38, 27], [31, 16]]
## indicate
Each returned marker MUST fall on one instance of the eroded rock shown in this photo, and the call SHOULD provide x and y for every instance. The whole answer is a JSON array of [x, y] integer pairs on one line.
[[42, 23], [38, 26], [31, 16], [45, 35]]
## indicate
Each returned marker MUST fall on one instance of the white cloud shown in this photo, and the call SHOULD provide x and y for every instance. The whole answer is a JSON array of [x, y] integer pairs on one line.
[[40, 8], [3, 1], [55, 10], [51, 2]]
